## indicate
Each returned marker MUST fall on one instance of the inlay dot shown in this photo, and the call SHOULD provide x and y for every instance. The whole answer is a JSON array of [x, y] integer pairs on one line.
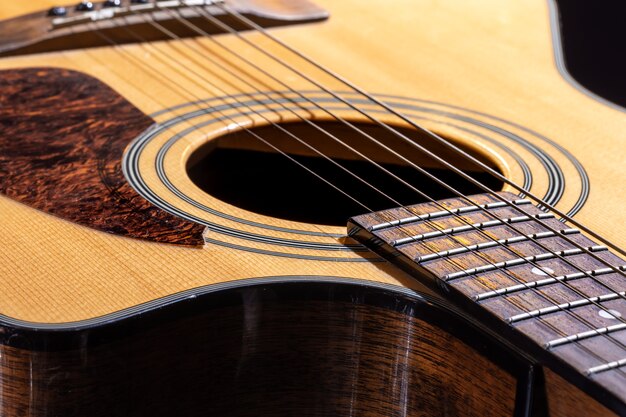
[[610, 314], [543, 271]]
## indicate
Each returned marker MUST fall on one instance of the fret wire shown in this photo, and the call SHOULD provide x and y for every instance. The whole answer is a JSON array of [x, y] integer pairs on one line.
[[606, 367], [585, 335], [518, 261], [468, 227], [443, 213], [568, 305], [540, 283], [487, 245]]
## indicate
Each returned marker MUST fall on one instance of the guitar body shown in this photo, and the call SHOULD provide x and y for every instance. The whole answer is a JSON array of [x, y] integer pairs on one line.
[[129, 289]]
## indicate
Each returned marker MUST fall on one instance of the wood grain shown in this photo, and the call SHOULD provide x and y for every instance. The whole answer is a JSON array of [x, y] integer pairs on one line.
[[566, 400]]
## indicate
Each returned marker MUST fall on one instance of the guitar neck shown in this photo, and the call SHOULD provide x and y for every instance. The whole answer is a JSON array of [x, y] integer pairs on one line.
[[520, 267]]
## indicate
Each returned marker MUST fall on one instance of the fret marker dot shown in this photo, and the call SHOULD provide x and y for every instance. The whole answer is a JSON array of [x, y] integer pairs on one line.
[[611, 314], [543, 271]]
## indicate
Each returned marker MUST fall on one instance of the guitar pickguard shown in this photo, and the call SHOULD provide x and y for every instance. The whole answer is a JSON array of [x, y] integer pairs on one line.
[[63, 136]]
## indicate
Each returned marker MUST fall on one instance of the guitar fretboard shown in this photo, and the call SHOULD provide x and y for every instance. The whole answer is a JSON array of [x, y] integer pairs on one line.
[[547, 280]]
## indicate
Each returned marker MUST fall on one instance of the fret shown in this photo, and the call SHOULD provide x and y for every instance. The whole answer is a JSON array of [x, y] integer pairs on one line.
[[582, 353], [469, 227], [578, 355], [565, 306], [542, 282], [606, 367], [445, 213], [491, 244], [584, 335], [520, 261], [550, 315], [560, 323], [555, 323]]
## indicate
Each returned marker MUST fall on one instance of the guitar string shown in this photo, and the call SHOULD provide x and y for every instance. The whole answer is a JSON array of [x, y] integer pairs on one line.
[[584, 249], [224, 116], [303, 97], [254, 26], [521, 211], [565, 260], [213, 20], [614, 268], [575, 266], [556, 331]]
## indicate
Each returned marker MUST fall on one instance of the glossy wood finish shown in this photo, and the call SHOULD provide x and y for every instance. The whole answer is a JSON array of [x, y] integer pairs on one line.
[[566, 400], [282, 349], [63, 138]]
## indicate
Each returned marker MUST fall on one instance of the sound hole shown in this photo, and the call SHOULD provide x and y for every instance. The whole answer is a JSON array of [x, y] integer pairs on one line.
[[241, 170]]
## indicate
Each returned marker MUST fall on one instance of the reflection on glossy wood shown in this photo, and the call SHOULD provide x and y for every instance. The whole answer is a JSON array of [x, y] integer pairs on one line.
[[265, 350]]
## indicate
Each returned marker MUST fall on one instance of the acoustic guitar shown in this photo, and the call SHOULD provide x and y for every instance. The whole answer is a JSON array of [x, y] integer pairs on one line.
[[306, 208]]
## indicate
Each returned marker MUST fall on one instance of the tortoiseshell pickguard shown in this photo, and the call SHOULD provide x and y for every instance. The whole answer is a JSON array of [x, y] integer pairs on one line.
[[62, 137]]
